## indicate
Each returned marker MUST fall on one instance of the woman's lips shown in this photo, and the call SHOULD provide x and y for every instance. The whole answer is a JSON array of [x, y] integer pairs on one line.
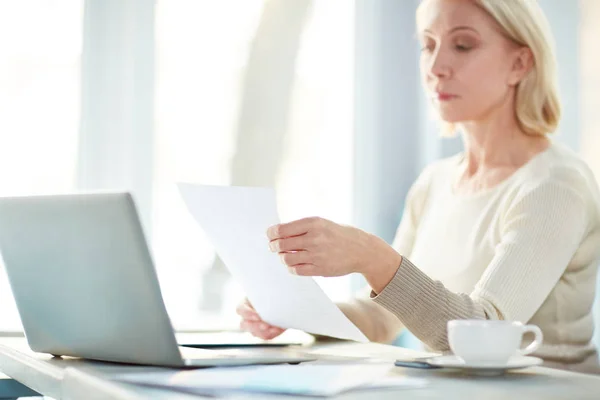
[[441, 96]]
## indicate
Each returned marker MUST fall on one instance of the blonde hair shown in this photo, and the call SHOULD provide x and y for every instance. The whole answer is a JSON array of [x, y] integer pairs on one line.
[[522, 21]]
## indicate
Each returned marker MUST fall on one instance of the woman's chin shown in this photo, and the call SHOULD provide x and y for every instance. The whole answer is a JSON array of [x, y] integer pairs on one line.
[[452, 118], [450, 114]]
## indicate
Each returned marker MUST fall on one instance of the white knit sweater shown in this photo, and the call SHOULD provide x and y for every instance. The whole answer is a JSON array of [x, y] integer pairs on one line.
[[525, 250]]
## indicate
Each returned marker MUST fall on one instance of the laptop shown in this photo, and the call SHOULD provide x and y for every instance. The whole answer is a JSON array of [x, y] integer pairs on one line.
[[85, 284]]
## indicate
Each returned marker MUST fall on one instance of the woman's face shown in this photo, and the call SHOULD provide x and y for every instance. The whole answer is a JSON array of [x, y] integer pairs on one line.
[[467, 65]]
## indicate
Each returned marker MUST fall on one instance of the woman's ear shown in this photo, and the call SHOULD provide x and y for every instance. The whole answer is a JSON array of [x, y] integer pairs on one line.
[[522, 65]]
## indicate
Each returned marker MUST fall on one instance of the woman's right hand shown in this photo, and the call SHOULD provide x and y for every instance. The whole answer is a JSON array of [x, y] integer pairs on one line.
[[251, 322]]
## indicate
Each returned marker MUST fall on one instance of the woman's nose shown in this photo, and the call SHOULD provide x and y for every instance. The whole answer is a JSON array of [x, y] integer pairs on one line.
[[439, 65]]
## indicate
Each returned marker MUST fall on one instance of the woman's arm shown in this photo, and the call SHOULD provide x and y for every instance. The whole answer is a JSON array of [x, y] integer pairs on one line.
[[541, 233], [375, 321], [318, 247]]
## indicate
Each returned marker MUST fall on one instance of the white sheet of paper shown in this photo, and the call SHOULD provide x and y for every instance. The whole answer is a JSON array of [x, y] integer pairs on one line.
[[236, 219], [305, 379]]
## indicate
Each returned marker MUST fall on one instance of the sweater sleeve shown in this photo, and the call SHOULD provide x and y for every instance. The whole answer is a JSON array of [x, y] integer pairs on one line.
[[375, 321], [541, 231]]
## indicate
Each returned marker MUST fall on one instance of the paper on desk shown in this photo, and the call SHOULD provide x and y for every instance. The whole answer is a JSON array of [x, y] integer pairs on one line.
[[305, 379], [236, 219]]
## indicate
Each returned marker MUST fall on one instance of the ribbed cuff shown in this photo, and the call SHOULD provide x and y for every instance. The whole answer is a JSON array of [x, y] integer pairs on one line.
[[424, 305], [410, 289]]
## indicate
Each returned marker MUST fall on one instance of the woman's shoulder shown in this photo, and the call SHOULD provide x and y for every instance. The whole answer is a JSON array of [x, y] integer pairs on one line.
[[557, 174], [559, 165]]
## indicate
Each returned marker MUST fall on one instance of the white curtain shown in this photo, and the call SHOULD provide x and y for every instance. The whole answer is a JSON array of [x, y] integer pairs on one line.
[[116, 137], [589, 67], [248, 93], [140, 94], [40, 60]]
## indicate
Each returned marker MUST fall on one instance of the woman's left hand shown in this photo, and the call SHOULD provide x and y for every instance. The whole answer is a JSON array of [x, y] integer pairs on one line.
[[319, 247]]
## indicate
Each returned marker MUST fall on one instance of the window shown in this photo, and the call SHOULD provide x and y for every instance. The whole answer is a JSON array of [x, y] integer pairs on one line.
[[40, 49], [260, 96], [590, 101], [590, 83]]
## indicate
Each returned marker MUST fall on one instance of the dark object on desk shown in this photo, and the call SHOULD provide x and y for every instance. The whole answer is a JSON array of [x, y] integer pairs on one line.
[[416, 363], [235, 339], [236, 345]]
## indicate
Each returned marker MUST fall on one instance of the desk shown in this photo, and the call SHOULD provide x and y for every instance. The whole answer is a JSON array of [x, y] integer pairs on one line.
[[76, 379]]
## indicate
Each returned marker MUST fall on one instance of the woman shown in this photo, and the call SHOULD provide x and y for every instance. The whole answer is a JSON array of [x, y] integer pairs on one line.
[[509, 229]]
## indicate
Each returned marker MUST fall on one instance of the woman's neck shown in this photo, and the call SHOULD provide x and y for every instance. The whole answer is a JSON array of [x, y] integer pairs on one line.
[[494, 144]]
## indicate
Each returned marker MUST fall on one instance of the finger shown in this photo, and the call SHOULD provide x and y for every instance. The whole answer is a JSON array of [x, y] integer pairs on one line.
[[238, 309], [247, 313], [295, 258], [258, 326], [247, 302], [294, 243], [252, 328], [261, 329], [269, 332], [273, 332], [307, 270], [244, 306], [262, 326], [244, 325], [294, 228]]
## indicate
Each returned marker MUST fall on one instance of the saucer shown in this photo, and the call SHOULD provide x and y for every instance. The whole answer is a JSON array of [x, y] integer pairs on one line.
[[484, 368]]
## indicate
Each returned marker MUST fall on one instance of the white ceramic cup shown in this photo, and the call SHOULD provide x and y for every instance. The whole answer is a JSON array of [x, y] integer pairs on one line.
[[493, 342]]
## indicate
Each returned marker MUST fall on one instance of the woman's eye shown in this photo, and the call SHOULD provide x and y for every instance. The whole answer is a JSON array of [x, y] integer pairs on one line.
[[463, 45], [427, 47]]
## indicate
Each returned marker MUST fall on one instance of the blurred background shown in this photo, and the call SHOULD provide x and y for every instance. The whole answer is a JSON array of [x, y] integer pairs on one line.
[[319, 98]]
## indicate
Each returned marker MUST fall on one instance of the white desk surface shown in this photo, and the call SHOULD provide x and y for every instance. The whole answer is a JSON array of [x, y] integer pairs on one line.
[[75, 379]]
